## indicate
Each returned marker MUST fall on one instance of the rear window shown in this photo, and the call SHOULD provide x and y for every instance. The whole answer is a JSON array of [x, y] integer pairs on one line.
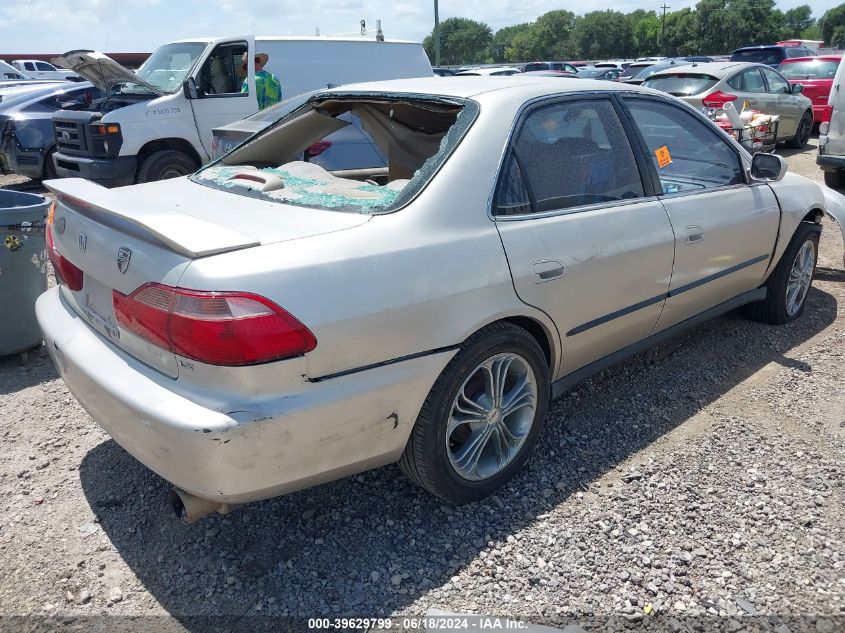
[[394, 146], [536, 66], [682, 84], [769, 56], [817, 69]]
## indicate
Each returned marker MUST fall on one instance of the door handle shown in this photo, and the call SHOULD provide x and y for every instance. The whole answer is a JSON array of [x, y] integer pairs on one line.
[[547, 269], [694, 234]]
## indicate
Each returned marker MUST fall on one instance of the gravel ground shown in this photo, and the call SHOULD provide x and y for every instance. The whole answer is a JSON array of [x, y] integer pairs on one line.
[[697, 486]]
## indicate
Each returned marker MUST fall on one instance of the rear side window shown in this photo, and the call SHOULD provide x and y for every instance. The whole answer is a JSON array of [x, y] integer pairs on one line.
[[748, 81], [687, 154], [816, 69], [43, 66], [777, 84], [682, 84], [567, 155], [29, 66]]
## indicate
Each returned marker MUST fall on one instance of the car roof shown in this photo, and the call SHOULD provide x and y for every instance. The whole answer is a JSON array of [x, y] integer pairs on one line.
[[519, 85], [759, 47], [720, 70], [816, 58]]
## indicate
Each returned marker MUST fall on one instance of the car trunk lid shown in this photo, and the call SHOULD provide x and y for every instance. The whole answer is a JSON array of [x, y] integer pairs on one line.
[[122, 239]]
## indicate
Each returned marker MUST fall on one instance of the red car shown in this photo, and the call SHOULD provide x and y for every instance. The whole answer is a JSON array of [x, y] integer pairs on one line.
[[816, 74]]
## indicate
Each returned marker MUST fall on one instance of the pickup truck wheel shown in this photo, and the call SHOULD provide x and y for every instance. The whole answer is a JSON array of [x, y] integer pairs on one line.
[[835, 179], [802, 134], [166, 163], [48, 172], [790, 282], [482, 417]]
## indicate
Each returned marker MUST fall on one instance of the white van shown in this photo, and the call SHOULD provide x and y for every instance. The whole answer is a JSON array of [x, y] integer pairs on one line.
[[36, 69], [831, 156], [156, 123]]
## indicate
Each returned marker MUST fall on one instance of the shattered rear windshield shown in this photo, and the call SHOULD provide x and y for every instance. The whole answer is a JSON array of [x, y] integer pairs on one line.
[[346, 152]]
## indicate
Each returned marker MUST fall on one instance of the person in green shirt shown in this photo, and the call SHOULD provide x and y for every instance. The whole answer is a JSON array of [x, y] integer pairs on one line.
[[267, 86]]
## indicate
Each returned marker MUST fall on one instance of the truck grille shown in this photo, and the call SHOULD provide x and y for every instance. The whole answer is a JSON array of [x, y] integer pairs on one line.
[[70, 136]]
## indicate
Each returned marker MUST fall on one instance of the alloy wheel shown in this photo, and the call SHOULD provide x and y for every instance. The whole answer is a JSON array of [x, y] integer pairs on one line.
[[800, 278], [491, 416]]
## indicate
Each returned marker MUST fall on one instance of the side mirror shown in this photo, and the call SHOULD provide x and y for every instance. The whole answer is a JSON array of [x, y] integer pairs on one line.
[[189, 88], [797, 89], [768, 167]]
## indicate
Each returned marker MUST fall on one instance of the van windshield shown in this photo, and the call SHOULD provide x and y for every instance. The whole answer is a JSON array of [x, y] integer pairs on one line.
[[346, 152], [168, 66]]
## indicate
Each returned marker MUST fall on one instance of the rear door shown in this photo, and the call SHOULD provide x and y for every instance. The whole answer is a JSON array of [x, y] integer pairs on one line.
[[587, 241], [725, 229], [750, 86], [790, 107]]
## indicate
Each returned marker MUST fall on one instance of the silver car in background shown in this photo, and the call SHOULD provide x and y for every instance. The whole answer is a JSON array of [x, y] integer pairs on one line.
[[712, 85], [266, 325]]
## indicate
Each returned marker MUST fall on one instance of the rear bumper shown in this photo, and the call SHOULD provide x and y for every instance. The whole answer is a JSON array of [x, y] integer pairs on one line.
[[830, 162], [109, 172], [242, 451]]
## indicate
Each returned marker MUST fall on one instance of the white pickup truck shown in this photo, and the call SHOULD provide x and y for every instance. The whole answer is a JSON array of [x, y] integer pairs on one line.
[[157, 123], [36, 69]]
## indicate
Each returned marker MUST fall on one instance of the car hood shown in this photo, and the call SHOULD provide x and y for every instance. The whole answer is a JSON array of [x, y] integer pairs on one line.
[[101, 70]]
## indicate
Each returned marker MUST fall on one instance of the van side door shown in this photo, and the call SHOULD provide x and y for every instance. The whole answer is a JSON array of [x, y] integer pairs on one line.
[[587, 241], [725, 227], [225, 81]]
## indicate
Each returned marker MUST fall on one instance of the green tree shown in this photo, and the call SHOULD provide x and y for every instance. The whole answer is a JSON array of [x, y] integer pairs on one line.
[[503, 40], [601, 34], [796, 21], [462, 41], [547, 38], [681, 33], [645, 29], [833, 26]]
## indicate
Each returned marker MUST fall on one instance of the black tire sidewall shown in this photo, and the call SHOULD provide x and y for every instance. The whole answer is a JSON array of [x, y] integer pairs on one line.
[[512, 340], [780, 278], [159, 162]]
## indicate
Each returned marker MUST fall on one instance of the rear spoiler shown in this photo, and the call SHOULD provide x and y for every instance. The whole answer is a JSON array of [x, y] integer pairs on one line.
[[182, 233]]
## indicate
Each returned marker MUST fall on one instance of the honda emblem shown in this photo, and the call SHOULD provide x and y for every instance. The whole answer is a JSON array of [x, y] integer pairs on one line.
[[123, 256]]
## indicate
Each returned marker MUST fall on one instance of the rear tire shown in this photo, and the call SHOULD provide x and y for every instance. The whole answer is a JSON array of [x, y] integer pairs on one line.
[[835, 179], [467, 441], [790, 283], [802, 134], [164, 164], [48, 172]]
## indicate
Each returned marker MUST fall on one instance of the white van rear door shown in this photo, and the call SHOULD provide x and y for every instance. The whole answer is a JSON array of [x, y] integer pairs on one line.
[[220, 78]]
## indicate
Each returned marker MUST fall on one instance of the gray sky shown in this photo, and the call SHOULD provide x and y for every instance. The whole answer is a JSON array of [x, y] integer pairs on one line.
[[46, 26]]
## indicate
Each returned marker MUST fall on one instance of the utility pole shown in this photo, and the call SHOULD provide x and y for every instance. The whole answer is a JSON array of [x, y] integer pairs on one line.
[[663, 28], [436, 35]]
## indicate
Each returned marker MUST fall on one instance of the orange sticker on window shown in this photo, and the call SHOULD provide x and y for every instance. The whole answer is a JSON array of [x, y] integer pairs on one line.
[[663, 157]]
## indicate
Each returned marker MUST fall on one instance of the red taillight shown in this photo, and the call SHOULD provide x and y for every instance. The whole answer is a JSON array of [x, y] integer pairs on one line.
[[827, 113], [72, 276], [318, 148], [718, 99], [218, 328]]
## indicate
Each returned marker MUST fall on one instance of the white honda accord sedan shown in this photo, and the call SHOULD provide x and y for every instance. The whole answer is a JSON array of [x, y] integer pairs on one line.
[[266, 325]]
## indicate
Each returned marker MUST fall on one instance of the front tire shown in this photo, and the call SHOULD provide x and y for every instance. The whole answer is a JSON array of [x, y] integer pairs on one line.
[[802, 134], [482, 417], [164, 164], [791, 280], [835, 179]]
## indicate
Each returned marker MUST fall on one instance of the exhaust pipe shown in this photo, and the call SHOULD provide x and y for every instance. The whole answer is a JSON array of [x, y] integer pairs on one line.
[[190, 508]]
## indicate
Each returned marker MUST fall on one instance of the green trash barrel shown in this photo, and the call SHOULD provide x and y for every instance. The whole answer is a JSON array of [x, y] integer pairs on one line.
[[23, 268]]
